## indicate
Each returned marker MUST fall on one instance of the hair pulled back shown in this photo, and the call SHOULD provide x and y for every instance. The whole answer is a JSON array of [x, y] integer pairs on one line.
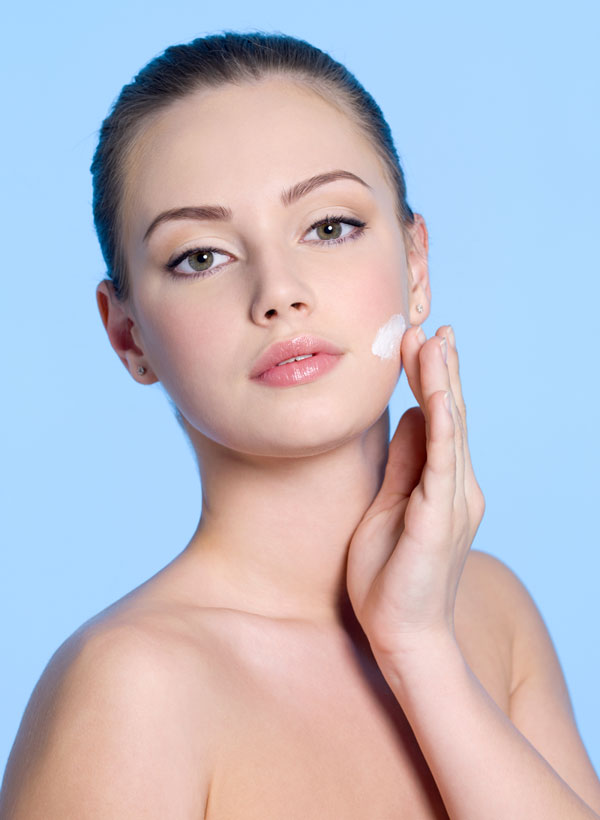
[[209, 62]]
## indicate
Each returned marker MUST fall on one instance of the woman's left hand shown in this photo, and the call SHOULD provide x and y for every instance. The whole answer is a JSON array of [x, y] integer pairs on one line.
[[407, 553]]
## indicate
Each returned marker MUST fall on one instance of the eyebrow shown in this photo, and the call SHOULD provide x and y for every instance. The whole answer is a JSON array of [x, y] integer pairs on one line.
[[216, 213]]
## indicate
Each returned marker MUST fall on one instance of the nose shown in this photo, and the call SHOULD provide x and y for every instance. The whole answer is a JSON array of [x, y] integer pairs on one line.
[[279, 292]]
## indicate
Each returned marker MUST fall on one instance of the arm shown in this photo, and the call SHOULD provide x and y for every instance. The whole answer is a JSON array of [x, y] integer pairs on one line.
[[106, 735], [405, 563], [531, 764]]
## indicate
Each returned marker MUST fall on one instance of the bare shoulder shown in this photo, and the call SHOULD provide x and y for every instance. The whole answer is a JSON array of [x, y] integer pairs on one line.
[[499, 627], [494, 605], [120, 722], [488, 578], [485, 622], [492, 595], [491, 592]]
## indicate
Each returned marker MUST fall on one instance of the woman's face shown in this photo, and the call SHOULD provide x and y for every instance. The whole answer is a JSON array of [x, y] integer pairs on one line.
[[203, 321]]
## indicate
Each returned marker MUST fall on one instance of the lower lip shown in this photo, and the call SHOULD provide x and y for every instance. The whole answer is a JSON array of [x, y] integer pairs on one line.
[[306, 370]]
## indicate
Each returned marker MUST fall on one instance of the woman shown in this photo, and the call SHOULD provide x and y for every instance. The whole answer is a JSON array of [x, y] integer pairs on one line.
[[326, 645]]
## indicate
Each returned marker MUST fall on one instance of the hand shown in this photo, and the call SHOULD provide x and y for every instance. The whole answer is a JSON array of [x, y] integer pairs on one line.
[[407, 554]]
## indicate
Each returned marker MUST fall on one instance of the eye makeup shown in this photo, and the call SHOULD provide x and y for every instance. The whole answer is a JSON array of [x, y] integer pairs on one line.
[[185, 256], [357, 225]]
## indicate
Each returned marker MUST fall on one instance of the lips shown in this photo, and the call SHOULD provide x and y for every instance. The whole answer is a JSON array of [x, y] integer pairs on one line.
[[299, 346]]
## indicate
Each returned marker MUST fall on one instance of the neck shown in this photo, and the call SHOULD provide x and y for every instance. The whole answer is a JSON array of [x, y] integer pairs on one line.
[[274, 532]]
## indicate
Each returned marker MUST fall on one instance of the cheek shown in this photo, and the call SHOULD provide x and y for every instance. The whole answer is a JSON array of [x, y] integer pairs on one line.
[[386, 344], [384, 318], [383, 309], [182, 341]]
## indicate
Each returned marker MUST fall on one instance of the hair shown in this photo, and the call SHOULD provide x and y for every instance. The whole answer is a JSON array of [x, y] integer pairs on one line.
[[210, 62]]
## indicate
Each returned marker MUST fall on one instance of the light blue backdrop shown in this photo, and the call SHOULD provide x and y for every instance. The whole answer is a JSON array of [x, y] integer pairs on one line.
[[495, 111]]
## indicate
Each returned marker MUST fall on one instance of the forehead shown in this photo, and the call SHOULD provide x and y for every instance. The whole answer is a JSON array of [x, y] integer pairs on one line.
[[242, 144]]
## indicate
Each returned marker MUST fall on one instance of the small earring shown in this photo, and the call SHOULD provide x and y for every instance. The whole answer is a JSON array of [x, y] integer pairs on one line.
[[141, 370], [420, 308]]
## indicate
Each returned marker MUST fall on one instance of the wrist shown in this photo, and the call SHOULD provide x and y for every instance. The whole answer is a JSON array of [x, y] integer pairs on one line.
[[420, 658]]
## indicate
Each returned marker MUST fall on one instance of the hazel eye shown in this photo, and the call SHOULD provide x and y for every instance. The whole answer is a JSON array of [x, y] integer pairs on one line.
[[198, 261], [334, 229], [329, 230]]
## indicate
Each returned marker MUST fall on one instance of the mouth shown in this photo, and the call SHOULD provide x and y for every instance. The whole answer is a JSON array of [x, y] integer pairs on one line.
[[299, 370], [301, 352], [296, 359]]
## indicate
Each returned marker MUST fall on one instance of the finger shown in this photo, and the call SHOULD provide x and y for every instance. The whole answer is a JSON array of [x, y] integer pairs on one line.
[[435, 377], [433, 370], [447, 331], [456, 388], [412, 342], [439, 473], [456, 401], [428, 374], [461, 452], [406, 456]]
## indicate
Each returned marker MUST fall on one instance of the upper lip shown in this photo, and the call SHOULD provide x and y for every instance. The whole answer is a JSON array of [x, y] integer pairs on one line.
[[298, 346]]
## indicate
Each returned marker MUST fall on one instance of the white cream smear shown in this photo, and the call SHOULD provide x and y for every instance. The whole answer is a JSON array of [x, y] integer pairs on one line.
[[388, 338]]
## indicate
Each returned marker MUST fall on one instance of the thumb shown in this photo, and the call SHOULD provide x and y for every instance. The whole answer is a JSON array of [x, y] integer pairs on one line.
[[406, 457]]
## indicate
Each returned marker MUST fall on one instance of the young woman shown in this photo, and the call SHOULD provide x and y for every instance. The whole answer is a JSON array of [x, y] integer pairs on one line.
[[326, 646]]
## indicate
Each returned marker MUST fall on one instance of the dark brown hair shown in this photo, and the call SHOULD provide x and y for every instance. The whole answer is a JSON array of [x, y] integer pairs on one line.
[[209, 62]]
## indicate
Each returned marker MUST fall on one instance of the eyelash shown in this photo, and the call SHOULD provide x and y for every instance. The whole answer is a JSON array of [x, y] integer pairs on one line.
[[346, 220]]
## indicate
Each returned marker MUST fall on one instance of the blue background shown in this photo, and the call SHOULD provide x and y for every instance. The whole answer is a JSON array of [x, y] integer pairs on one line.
[[494, 108]]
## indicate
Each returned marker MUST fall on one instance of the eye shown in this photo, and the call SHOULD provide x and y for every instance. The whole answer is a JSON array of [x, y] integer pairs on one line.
[[197, 262], [334, 229]]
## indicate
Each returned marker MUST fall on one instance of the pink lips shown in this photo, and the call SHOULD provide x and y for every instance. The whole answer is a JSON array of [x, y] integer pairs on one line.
[[323, 356]]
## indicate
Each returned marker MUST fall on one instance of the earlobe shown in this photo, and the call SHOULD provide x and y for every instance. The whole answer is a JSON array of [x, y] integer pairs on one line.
[[118, 325], [419, 291]]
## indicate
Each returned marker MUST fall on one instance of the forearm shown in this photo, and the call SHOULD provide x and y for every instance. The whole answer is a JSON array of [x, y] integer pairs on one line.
[[484, 767]]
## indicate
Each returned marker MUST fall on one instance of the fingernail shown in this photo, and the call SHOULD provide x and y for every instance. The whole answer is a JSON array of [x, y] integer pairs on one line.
[[444, 347], [451, 338], [421, 335], [447, 402]]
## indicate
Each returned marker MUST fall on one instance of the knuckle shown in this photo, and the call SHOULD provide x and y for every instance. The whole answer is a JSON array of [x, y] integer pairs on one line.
[[434, 399], [478, 502]]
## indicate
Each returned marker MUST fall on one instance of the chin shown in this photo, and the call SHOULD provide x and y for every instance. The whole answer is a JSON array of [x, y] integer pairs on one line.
[[297, 421], [301, 431]]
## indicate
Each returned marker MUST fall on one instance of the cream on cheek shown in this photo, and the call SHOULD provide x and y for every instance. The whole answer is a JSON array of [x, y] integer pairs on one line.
[[386, 344]]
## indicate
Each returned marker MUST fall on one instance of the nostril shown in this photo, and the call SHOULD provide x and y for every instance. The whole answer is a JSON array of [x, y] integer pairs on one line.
[[270, 313]]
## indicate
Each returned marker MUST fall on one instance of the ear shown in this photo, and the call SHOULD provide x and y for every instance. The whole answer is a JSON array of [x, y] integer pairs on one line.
[[118, 324], [419, 291]]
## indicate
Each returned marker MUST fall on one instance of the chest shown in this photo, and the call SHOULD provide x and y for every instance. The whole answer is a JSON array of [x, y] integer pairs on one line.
[[318, 747], [315, 733]]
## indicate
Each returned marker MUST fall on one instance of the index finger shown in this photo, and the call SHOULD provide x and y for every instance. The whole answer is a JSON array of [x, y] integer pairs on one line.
[[412, 342]]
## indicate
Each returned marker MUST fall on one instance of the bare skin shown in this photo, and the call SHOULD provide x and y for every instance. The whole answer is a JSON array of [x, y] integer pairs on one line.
[[270, 718], [290, 662]]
